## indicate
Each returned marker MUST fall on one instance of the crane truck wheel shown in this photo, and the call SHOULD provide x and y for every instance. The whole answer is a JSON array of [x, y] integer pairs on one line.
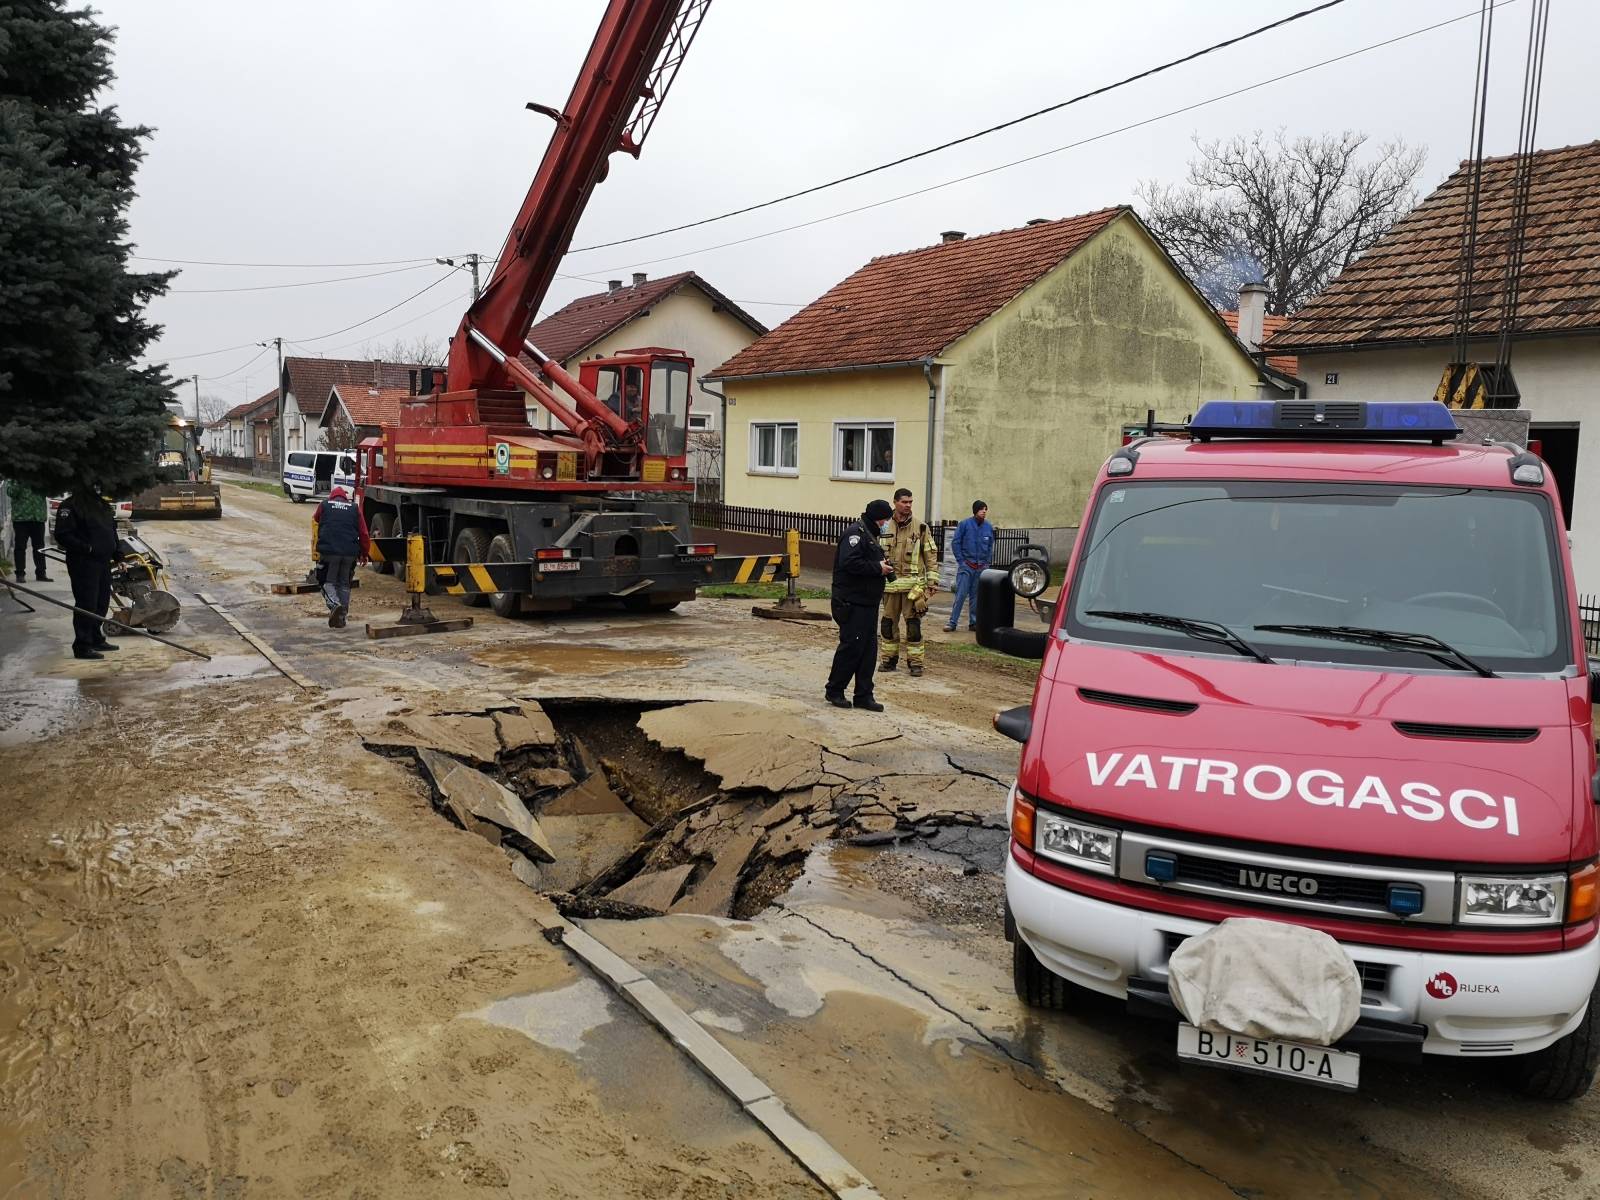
[[505, 604], [472, 546], [382, 527]]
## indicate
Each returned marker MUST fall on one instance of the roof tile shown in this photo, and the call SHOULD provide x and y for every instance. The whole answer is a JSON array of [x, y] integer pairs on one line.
[[1283, 364], [1404, 288], [902, 307]]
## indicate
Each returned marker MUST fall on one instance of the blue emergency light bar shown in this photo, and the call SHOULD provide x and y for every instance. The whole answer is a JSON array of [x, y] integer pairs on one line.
[[1333, 420]]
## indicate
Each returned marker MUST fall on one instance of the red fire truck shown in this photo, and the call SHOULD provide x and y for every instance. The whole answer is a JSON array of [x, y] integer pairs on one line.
[[1318, 664]]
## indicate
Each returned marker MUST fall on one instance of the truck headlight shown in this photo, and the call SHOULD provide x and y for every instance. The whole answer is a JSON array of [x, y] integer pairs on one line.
[[1086, 846], [1512, 900]]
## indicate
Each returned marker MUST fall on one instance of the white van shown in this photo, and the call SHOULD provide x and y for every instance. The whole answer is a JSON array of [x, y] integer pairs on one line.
[[309, 474]]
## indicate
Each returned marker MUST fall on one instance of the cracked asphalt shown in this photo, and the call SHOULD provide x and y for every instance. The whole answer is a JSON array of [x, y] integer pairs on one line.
[[242, 956]]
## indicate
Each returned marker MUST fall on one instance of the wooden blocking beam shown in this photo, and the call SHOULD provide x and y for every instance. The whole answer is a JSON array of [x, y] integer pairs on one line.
[[301, 587], [406, 630]]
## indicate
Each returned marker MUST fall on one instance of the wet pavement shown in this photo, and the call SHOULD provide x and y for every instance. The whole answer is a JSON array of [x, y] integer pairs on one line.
[[242, 955]]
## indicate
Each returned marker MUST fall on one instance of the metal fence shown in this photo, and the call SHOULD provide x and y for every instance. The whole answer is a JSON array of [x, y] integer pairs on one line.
[[1589, 611], [821, 527]]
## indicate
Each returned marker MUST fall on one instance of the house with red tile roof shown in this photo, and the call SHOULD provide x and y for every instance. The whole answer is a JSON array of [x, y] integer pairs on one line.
[[308, 381], [357, 411], [681, 312], [1384, 329], [1000, 367]]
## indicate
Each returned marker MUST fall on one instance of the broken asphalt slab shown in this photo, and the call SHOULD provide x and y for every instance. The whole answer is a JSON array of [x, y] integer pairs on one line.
[[470, 794]]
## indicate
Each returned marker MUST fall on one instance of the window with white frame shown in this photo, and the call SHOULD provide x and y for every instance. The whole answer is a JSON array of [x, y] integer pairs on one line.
[[701, 422], [774, 448], [863, 450]]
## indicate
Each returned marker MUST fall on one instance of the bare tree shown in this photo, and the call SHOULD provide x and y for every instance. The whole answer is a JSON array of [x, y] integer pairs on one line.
[[1289, 213], [422, 349], [212, 407], [341, 434]]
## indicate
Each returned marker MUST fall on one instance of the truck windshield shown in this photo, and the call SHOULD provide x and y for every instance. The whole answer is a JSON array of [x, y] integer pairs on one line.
[[1475, 568]]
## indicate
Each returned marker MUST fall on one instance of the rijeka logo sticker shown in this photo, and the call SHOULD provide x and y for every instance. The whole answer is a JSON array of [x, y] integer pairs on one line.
[[1469, 807]]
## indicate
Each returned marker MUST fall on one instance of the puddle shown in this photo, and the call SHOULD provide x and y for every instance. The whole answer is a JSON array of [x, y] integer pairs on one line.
[[560, 1019], [564, 658]]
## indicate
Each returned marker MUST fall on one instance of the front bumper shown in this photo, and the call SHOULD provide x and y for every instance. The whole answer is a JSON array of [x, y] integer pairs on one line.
[[1469, 1005]]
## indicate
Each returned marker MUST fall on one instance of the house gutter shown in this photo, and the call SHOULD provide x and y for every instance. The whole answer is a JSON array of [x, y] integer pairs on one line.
[[1418, 343], [933, 412], [888, 366], [722, 433]]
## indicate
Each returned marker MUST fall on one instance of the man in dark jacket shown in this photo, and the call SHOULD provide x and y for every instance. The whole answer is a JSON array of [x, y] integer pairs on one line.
[[86, 531], [339, 540], [859, 573]]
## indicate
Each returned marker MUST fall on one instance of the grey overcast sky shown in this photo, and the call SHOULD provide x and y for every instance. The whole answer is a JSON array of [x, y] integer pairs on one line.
[[355, 131]]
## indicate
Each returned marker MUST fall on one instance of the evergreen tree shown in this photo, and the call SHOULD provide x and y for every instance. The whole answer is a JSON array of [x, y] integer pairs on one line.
[[75, 408]]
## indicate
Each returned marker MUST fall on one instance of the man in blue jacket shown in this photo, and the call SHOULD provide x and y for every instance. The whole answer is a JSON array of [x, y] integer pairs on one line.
[[973, 549]]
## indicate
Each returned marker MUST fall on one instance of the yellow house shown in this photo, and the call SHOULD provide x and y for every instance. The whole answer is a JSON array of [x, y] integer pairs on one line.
[[1000, 367]]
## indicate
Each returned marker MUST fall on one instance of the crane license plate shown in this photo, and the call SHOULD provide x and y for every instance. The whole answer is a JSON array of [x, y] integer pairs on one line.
[[1264, 1056]]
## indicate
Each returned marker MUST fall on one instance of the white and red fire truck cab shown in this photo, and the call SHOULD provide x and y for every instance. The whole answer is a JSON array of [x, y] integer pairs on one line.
[[1322, 664]]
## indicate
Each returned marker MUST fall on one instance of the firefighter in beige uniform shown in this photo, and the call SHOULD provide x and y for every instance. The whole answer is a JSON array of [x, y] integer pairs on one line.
[[909, 549]]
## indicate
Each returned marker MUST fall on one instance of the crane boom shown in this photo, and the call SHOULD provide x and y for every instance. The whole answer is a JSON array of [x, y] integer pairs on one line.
[[630, 66]]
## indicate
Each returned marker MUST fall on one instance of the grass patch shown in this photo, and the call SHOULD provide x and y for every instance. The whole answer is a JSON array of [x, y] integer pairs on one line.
[[760, 591], [257, 485], [971, 652]]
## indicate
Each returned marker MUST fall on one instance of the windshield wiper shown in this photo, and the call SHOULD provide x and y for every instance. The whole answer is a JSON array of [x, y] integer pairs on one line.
[[1389, 639], [1205, 631]]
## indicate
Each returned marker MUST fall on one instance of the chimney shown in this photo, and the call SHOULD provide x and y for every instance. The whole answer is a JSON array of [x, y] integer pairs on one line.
[[413, 375], [1039, 221], [639, 277], [951, 235], [613, 285], [1252, 315]]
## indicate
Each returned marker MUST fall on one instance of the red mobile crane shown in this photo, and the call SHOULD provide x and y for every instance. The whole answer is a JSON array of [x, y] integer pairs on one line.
[[530, 519]]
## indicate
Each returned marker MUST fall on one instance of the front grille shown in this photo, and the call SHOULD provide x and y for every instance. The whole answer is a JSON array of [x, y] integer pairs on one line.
[[1374, 975], [1478, 733], [1331, 889]]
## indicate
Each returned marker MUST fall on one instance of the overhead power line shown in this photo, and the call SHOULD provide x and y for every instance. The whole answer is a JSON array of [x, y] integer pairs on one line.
[[275, 287], [202, 262], [1017, 162], [322, 337], [981, 133]]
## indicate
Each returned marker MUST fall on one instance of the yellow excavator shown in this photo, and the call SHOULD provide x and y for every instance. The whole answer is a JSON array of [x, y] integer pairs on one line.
[[185, 489]]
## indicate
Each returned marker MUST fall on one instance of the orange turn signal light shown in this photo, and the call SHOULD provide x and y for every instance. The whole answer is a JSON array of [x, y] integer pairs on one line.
[[1022, 811], [1583, 894]]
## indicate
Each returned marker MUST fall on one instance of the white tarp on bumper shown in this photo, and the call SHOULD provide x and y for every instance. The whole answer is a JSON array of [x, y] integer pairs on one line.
[[1266, 979]]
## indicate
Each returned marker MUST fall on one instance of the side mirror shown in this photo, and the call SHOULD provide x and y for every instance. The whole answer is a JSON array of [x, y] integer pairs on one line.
[[1015, 723], [995, 604]]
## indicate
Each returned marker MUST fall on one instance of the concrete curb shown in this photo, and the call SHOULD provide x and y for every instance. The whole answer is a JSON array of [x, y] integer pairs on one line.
[[266, 651], [803, 1143]]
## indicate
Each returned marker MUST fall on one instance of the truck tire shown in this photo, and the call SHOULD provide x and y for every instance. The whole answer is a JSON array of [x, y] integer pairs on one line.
[[472, 546], [505, 604], [1564, 1070], [382, 526], [1035, 984]]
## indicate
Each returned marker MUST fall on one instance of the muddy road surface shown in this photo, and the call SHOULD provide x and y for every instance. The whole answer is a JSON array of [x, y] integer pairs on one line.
[[266, 940]]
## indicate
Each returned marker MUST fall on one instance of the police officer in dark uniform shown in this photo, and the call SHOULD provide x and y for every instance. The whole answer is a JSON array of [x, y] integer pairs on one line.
[[859, 573], [86, 531], [339, 540]]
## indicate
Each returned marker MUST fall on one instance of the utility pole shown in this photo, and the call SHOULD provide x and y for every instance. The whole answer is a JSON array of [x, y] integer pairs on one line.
[[283, 440], [471, 260], [196, 379]]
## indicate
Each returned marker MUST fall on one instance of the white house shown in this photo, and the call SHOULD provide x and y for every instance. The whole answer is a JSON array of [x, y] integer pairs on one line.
[[1383, 330], [678, 312]]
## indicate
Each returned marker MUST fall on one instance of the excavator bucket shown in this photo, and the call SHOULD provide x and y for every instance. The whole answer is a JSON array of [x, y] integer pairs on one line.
[[188, 498]]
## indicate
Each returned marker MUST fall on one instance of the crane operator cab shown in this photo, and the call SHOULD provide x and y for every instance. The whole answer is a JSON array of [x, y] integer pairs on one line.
[[649, 389]]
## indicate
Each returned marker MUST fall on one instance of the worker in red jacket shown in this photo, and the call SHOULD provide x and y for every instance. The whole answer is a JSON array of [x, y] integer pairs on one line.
[[339, 540]]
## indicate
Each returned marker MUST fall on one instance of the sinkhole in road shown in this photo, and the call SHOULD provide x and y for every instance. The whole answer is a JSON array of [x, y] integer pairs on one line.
[[625, 808]]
